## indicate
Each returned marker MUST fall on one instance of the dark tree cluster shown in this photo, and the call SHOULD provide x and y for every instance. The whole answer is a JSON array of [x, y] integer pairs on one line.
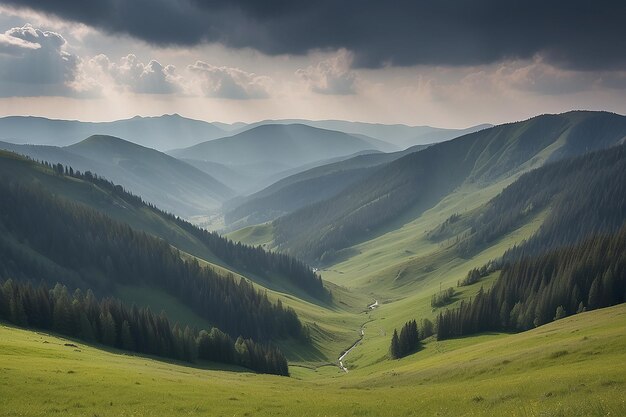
[[442, 298], [48, 238], [252, 259], [112, 323], [537, 289], [410, 337], [475, 274]]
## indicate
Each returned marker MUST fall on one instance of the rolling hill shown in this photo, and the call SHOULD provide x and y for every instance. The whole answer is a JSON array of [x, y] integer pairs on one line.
[[165, 181], [162, 133], [270, 149], [305, 188], [408, 186], [401, 136]]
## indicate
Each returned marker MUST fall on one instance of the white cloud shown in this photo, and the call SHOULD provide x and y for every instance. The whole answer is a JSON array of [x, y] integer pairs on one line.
[[231, 83], [332, 75], [35, 63], [130, 74]]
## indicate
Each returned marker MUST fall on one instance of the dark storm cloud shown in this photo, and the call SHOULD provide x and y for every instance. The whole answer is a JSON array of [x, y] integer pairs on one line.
[[574, 34]]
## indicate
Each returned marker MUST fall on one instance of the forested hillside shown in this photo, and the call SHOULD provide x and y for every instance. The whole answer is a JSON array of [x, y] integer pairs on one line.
[[416, 182], [46, 238], [584, 196], [112, 200]]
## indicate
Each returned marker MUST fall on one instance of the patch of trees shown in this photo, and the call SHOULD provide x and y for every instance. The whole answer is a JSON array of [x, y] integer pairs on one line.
[[252, 259], [445, 229], [49, 238], [537, 289], [441, 298], [582, 194], [410, 337], [111, 323], [475, 274]]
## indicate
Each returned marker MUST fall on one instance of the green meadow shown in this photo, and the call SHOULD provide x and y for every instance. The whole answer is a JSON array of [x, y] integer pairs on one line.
[[571, 367]]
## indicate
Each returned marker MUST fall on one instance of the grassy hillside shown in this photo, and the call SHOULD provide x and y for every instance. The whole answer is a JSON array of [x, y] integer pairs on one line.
[[565, 368], [403, 189]]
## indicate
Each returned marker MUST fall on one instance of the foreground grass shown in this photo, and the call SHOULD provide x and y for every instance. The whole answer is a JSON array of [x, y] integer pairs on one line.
[[573, 367]]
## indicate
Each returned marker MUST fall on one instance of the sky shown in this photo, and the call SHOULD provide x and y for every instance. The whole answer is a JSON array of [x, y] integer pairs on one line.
[[446, 63]]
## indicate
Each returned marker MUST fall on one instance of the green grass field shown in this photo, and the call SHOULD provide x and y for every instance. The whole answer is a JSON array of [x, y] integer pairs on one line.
[[572, 367]]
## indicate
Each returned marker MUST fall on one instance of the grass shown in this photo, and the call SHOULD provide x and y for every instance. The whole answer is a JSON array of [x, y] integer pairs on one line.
[[525, 374], [159, 301], [261, 234]]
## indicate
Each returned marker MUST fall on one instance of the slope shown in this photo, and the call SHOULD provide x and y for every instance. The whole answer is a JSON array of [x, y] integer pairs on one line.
[[274, 271], [405, 188], [305, 188]]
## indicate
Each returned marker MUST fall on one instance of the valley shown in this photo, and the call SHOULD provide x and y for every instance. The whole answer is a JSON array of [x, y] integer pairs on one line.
[[386, 233]]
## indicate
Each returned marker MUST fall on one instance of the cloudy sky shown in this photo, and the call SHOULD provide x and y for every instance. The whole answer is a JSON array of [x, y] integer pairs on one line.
[[442, 63]]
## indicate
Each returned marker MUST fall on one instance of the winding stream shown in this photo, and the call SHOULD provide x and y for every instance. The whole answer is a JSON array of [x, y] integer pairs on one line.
[[355, 344]]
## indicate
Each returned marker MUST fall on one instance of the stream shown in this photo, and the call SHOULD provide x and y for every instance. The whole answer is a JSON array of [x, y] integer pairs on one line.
[[355, 344]]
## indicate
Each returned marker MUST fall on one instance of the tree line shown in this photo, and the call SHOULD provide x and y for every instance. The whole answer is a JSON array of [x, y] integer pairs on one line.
[[537, 289], [112, 323], [45, 237]]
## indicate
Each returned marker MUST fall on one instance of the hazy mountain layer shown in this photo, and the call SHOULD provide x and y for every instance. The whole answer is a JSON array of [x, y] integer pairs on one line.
[[277, 145], [165, 181], [162, 133]]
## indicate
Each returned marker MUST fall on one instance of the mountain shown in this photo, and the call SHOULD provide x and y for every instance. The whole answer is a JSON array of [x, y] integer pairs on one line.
[[402, 136], [305, 188], [165, 181], [577, 193], [277, 147], [406, 187], [162, 133], [238, 180]]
